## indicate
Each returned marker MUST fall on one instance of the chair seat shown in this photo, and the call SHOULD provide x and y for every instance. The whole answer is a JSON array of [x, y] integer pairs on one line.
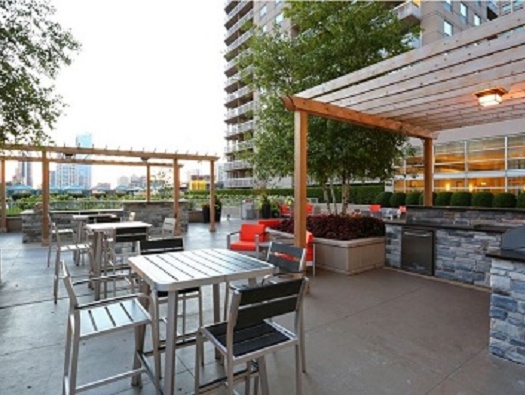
[[242, 246], [62, 231], [109, 317], [74, 247], [250, 339]]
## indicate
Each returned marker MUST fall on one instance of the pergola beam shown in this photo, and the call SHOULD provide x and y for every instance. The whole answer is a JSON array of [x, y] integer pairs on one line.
[[109, 152], [326, 110], [84, 161]]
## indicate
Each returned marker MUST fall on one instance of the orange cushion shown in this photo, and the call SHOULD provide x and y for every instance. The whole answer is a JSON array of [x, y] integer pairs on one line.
[[309, 208], [375, 208], [248, 232], [243, 246], [309, 246]]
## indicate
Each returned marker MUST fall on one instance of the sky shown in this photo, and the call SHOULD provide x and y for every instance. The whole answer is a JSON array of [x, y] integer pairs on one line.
[[149, 75]]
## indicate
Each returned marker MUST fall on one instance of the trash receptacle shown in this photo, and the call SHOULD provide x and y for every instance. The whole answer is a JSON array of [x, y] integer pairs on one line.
[[247, 209]]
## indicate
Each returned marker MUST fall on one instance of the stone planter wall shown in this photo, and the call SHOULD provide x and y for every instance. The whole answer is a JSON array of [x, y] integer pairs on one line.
[[14, 224], [507, 310], [154, 213]]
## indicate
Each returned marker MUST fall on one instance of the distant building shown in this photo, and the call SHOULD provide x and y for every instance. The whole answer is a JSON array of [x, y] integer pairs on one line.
[[66, 175], [24, 173], [137, 181], [52, 178], [84, 171], [123, 180]]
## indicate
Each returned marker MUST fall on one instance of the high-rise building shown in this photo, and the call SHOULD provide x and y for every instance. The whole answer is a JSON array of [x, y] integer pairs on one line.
[[66, 175], [24, 173], [437, 19], [84, 171]]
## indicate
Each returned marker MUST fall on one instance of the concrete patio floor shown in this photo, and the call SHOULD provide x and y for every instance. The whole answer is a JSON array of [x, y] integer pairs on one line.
[[380, 332]]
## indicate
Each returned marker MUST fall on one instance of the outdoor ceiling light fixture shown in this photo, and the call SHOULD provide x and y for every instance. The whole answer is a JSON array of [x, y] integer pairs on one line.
[[490, 97]]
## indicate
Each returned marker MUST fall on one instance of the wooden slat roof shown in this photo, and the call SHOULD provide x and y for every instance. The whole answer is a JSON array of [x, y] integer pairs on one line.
[[432, 88]]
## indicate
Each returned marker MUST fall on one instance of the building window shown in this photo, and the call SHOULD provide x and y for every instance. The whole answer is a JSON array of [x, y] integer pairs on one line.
[[477, 20], [447, 28], [279, 18], [262, 11], [464, 12], [486, 154], [449, 157], [448, 5]]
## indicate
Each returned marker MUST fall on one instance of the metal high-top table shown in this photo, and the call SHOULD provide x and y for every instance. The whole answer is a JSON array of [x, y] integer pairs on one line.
[[173, 272]]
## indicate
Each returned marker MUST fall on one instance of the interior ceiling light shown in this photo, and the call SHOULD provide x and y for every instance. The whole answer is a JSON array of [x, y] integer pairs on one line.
[[490, 97]]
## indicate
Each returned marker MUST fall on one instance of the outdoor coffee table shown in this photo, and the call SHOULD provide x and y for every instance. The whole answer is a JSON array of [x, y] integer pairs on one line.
[[172, 272]]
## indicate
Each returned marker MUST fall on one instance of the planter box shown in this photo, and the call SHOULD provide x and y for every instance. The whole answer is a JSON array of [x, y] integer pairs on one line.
[[194, 216], [14, 224], [346, 257]]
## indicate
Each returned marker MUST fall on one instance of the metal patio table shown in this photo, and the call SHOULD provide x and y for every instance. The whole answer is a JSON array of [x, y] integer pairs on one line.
[[172, 272], [98, 233]]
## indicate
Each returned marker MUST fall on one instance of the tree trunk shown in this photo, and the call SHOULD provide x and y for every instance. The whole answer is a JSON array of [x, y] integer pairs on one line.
[[327, 198], [334, 199], [344, 195]]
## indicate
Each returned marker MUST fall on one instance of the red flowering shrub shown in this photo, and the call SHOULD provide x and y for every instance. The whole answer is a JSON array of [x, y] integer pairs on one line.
[[338, 227]]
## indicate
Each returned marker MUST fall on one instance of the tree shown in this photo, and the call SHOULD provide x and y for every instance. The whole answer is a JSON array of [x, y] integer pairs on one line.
[[33, 48], [330, 39]]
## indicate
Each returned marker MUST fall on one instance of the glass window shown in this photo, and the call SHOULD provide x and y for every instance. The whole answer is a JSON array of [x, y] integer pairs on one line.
[[486, 154], [448, 5], [447, 28], [449, 185], [477, 20], [262, 11], [279, 18], [516, 184], [494, 185], [464, 11], [449, 157], [516, 152], [414, 164]]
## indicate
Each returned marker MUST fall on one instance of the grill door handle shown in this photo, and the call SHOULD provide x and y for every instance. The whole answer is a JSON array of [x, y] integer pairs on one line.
[[417, 234]]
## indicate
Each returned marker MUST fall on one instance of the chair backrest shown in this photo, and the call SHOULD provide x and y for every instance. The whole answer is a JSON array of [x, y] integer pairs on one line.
[[251, 306], [269, 222], [249, 231], [73, 301], [168, 226], [287, 258], [131, 216], [129, 235], [103, 219], [158, 246]]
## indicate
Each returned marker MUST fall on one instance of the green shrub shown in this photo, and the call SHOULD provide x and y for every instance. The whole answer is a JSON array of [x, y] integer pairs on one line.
[[504, 199], [383, 198], [443, 198], [521, 200], [482, 199], [398, 199], [413, 198], [462, 199], [422, 199]]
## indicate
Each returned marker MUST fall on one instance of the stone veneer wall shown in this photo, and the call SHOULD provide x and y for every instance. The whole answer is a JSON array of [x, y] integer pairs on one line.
[[32, 222], [393, 245], [155, 212], [507, 310], [465, 216], [460, 255]]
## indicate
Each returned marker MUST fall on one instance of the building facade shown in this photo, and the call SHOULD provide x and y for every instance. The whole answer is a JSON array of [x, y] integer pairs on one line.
[[24, 174], [84, 171], [437, 19]]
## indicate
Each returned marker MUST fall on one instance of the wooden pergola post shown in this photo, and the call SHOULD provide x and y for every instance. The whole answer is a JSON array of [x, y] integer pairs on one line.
[[3, 218], [45, 199], [428, 173], [212, 196], [300, 177], [176, 195], [148, 189]]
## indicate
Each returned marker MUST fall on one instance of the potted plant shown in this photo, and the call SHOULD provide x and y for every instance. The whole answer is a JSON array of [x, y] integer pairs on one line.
[[206, 211], [218, 209], [265, 206]]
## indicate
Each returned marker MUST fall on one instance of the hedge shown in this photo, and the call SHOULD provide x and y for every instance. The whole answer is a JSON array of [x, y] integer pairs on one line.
[[383, 198], [398, 199], [482, 199], [521, 200], [504, 199], [443, 199], [461, 199], [413, 198]]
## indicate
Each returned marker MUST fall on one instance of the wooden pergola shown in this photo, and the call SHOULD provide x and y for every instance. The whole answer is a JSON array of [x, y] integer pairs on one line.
[[98, 156], [420, 93]]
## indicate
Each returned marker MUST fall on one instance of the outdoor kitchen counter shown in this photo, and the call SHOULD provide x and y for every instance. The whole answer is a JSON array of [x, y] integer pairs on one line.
[[507, 304], [486, 228]]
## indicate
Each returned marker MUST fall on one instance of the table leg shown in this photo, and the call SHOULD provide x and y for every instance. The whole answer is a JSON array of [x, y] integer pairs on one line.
[[171, 344], [97, 252], [139, 337]]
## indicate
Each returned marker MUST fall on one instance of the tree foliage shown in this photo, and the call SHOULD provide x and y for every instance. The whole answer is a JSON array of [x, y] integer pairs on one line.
[[330, 39], [33, 48]]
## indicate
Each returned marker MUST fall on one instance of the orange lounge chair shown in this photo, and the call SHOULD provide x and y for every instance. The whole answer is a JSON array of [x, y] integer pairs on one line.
[[250, 236]]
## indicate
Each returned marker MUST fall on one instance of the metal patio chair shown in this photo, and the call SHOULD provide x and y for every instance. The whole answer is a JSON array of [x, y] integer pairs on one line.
[[100, 318], [249, 334]]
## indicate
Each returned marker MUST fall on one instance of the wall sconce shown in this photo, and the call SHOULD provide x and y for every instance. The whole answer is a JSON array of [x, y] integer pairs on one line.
[[490, 97]]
